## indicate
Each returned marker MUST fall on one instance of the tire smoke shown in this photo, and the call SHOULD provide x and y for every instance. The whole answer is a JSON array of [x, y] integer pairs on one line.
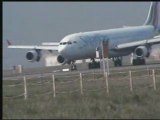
[[50, 60], [155, 54]]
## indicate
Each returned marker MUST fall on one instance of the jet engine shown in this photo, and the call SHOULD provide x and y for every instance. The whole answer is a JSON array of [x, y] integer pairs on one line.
[[61, 59], [142, 51], [33, 55]]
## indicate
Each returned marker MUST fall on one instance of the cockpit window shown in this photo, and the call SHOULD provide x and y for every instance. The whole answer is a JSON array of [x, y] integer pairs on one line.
[[64, 43], [69, 42]]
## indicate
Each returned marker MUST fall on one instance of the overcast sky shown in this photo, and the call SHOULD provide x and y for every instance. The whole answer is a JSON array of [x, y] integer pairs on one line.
[[31, 23]]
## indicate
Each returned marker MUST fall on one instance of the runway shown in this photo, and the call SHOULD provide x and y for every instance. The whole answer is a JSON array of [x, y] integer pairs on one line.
[[57, 70]]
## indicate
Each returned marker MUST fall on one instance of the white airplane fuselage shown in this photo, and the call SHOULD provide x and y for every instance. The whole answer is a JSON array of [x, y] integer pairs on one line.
[[83, 45], [118, 42]]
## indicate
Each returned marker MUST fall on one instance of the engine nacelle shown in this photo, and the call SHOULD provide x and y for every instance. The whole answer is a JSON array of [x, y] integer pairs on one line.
[[61, 59], [33, 56], [142, 51]]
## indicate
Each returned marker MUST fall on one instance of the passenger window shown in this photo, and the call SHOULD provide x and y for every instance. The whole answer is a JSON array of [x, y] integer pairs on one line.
[[60, 43], [74, 41]]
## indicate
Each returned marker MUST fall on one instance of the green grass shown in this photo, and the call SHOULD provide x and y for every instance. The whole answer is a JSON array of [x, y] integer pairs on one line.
[[143, 102]]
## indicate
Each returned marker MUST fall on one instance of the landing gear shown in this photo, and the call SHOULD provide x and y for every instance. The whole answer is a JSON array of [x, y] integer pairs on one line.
[[93, 64], [138, 61], [117, 61], [73, 66]]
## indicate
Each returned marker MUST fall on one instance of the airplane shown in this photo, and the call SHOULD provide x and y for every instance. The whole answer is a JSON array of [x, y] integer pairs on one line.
[[136, 40]]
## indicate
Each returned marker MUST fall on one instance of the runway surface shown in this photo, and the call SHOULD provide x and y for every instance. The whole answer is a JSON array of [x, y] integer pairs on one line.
[[82, 68]]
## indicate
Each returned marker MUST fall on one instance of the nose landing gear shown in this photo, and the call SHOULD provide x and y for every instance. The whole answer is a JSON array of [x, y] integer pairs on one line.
[[73, 66]]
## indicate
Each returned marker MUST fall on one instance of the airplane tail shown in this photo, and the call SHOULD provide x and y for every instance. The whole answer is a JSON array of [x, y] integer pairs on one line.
[[154, 16], [8, 43]]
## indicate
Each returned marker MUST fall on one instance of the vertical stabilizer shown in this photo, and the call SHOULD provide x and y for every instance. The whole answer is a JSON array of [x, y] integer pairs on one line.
[[153, 15]]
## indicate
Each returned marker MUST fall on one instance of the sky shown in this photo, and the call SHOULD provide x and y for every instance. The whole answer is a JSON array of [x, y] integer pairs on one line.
[[31, 23]]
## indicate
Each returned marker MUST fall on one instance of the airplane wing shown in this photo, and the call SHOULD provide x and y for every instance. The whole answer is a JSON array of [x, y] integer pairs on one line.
[[51, 43], [155, 40], [40, 47], [157, 36]]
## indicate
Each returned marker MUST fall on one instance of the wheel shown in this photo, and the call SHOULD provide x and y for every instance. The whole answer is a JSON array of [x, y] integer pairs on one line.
[[97, 65], [119, 62], [89, 66], [93, 65], [142, 62], [138, 62], [73, 67], [115, 63], [134, 62]]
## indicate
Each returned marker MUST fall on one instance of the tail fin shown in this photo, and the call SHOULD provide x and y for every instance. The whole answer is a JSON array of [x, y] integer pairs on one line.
[[153, 15], [9, 43]]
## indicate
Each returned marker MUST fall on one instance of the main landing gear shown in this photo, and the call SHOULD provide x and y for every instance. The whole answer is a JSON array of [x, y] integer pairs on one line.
[[93, 64], [135, 60], [138, 61], [117, 61]]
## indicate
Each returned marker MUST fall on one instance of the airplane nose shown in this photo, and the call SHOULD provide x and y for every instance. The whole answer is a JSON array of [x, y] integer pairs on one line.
[[62, 50]]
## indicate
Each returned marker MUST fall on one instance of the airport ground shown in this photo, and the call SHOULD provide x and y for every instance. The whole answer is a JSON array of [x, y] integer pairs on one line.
[[142, 102], [81, 67]]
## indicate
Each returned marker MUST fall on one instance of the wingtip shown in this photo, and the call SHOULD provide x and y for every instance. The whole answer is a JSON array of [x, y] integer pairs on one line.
[[9, 43]]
